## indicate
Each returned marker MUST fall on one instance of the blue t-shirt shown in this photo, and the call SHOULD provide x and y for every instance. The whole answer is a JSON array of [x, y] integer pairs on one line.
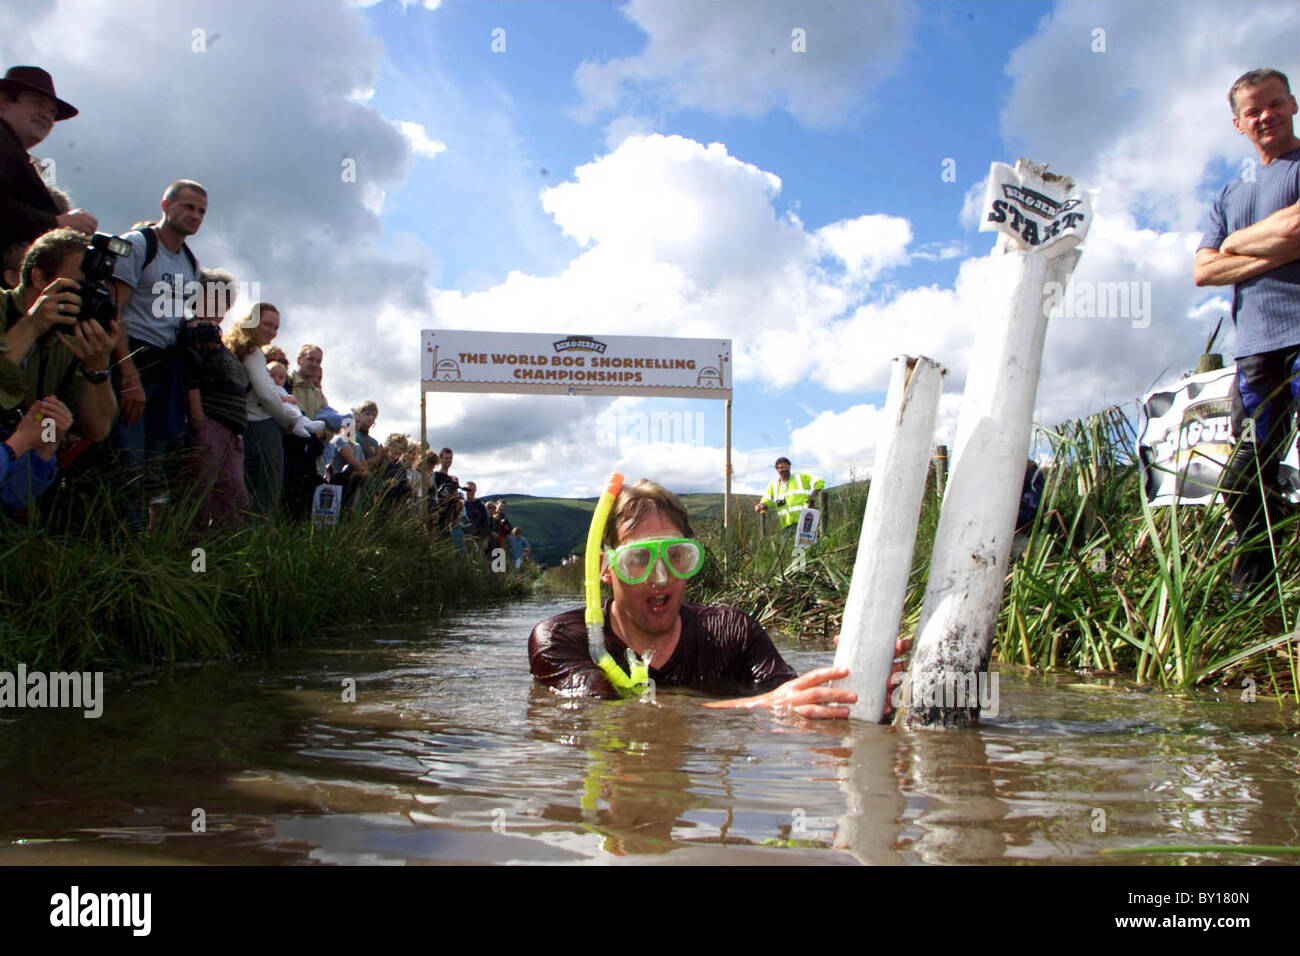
[[1265, 309]]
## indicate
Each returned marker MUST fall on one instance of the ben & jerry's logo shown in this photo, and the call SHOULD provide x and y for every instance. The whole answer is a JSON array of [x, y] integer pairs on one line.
[[579, 343]]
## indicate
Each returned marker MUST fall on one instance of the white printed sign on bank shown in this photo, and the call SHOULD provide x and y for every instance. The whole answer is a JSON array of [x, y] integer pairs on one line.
[[1185, 438]]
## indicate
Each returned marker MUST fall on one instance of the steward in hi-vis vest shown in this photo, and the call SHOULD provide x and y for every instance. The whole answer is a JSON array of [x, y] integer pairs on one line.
[[789, 494]]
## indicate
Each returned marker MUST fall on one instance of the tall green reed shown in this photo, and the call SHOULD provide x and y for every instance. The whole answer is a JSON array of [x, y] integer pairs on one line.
[[1100, 582], [84, 587]]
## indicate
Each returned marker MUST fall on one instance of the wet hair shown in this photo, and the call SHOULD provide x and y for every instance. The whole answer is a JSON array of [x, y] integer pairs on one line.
[[1253, 79], [174, 189], [637, 502], [240, 339], [48, 252]]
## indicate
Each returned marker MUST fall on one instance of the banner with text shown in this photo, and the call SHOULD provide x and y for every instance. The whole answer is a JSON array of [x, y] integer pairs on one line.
[[1185, 439], [463, 361]]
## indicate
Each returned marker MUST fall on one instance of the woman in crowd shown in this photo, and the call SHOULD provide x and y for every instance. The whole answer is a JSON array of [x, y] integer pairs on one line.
[[268, 417]]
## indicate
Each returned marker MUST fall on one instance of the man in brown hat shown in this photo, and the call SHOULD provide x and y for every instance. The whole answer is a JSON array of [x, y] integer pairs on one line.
[[28, 111]]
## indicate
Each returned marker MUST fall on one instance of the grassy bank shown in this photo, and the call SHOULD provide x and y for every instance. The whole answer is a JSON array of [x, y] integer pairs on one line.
[[106, 596], [1104, 584]]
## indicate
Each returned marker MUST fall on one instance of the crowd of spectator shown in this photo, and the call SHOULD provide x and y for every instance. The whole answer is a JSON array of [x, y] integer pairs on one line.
[[124, 353], [472, 523]]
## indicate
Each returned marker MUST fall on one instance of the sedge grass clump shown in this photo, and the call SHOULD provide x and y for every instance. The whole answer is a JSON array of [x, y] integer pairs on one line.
[[1101, 582], [563, 579], [1108, 583], [113, 595], [755, 567]]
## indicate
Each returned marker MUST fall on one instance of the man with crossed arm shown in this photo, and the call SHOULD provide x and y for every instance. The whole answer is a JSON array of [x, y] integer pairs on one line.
[[1252, 242]]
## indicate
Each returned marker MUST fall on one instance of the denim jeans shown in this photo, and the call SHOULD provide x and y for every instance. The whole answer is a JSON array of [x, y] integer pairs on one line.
[[159, 432], [1265, 393]]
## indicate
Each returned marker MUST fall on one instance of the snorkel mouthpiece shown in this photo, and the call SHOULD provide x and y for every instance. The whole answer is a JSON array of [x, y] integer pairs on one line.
[[637, 675]]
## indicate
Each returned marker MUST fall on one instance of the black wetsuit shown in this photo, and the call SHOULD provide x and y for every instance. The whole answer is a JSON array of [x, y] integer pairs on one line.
[[720, 649]]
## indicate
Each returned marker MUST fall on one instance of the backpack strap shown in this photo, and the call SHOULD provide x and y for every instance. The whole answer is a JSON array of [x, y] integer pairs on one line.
[[150, 245], [151, 249]]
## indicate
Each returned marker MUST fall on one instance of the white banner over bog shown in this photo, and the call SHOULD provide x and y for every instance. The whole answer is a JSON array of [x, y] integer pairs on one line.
[[1185, 439], [464, 361]]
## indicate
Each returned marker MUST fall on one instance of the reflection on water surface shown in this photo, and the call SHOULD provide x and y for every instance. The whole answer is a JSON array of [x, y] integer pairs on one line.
[[449, 755]]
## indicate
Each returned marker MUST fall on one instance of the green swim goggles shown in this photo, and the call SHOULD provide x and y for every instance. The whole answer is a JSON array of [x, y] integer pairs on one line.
[[683, 557]]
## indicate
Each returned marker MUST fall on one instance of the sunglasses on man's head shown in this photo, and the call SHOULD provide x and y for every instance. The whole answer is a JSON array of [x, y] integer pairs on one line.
[[683, 557]]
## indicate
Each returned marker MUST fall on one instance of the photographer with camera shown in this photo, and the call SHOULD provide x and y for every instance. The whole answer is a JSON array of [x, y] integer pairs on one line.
[[59, 332], [151, 282]]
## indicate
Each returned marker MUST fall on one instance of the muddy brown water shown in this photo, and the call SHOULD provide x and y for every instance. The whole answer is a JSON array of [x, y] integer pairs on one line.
[[449, 754]]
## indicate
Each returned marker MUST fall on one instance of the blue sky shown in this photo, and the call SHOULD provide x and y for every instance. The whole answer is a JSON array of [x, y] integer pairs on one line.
[[450, 78], [663, 168]]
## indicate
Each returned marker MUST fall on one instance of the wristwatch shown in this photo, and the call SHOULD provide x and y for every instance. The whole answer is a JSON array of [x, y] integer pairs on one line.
[[94, 378]]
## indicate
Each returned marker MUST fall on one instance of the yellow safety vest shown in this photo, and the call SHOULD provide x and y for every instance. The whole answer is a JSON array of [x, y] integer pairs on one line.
[[795, 492]]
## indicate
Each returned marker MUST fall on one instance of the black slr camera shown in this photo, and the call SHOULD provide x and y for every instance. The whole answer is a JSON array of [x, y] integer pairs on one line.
[[97, 267]]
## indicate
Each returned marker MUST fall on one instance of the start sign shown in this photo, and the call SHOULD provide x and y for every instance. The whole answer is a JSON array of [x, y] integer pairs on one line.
[[1035, 209]]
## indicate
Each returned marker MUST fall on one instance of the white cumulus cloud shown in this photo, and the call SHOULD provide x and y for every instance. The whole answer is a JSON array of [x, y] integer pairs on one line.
[[422, 144], [817, 61]]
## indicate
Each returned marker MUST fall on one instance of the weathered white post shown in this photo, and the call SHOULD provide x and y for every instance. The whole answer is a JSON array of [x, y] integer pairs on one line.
[[884, 561], [1041, 218]]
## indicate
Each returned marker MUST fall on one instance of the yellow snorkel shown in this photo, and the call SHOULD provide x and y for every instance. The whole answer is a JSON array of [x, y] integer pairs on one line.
[[638, 668]]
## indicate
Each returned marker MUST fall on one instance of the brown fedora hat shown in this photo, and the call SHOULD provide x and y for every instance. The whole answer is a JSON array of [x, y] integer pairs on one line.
[[34, 78]]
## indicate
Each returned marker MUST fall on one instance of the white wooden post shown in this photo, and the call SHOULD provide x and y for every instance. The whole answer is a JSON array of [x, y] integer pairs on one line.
[[948, 682], [884, 560]]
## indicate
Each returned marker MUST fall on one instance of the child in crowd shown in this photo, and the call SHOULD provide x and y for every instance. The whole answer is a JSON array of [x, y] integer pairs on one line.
[[27, 465], [520, 549], [273, 353], [458, 525], [344, 452], [217, 390], [412, 461], [302, 425]]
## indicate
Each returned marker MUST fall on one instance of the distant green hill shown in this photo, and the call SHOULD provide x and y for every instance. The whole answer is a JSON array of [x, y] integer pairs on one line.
[[553, 526]]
